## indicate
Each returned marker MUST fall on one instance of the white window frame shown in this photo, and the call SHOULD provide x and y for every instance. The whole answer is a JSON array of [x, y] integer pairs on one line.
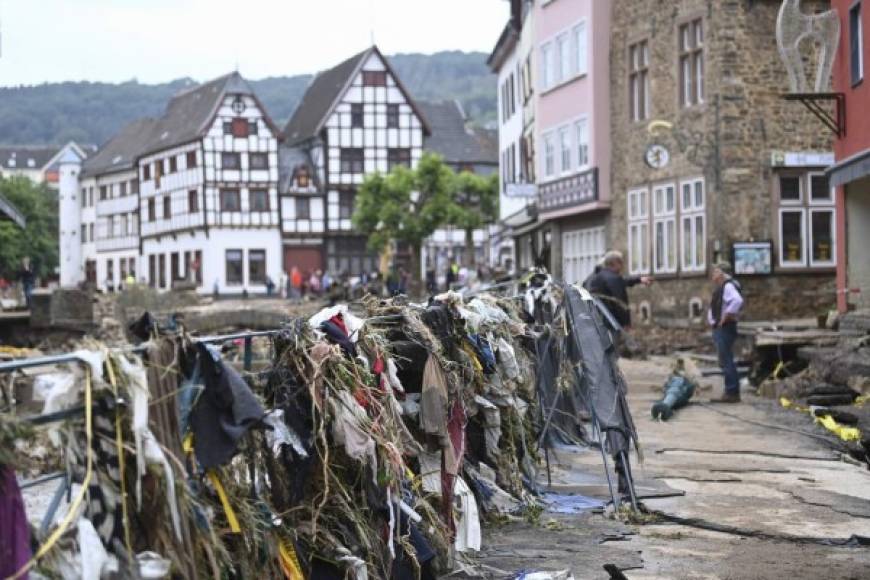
[[548, 51], [809, 187], [810, 241], [564, 70], [564, 56], [549, 157], [802, 187], [859, 8], [580, 49], [802, 261], [666, 217], [807, 207], [582, 149], [566, 159], [690, 213], [638, 228]]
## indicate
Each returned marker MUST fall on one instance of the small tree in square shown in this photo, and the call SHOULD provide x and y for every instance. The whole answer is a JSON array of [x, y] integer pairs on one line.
[[474, 204], [405, 206]]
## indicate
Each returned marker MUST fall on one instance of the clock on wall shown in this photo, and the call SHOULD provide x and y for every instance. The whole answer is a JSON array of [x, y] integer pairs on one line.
[[657, 156]]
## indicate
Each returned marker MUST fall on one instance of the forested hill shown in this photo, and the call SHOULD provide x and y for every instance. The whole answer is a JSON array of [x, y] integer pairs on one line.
[[90, 113]]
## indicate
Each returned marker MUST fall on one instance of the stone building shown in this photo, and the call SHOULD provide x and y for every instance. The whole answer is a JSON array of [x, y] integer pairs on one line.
[[706, 153]]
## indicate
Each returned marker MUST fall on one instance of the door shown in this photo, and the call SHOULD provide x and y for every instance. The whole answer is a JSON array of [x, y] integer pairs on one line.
[[306, 259], [91, 271], [581, 251]]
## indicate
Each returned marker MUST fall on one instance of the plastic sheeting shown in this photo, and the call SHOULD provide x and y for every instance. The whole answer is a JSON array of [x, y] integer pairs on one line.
[[593, 353]]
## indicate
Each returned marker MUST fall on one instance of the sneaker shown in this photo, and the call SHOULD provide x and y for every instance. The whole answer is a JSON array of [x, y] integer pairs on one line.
[[727, 398]]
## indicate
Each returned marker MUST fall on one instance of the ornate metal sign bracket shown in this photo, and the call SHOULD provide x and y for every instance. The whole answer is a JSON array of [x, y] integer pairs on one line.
[[816, 103]]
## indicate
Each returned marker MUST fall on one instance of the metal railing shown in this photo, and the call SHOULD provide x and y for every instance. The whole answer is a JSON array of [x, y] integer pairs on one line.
[[65, 486]]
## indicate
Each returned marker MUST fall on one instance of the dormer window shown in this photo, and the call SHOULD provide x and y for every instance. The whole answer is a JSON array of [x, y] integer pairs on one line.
[[374, 78], [302, 177]]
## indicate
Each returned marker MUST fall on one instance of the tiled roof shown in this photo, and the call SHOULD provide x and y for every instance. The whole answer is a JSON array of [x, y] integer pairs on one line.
[[189, 112], [26, 156], [319, 98], [121, 151], [452, 138], [187, 118]]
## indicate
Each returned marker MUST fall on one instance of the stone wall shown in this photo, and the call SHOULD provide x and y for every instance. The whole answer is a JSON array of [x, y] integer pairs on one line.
[[727, 140]]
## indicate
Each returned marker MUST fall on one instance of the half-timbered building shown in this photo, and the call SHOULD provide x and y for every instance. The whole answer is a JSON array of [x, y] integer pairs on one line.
[[354, 119], [209, 191], [190, 197]]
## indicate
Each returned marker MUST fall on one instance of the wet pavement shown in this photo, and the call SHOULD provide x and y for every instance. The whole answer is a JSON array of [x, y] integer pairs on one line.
[[754, 493]]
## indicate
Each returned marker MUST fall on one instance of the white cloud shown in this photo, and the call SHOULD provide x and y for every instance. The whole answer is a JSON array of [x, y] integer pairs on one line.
[[160, 40]]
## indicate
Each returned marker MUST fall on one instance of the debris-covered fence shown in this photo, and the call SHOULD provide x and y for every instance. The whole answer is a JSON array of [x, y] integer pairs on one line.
[[371, 446]]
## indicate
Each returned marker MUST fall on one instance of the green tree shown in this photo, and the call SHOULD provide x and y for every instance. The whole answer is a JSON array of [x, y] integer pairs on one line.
[[405, 206], [39, 239], [474, 204]]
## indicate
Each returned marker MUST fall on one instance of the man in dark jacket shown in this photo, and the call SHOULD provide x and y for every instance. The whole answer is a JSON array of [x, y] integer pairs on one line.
[[609, 286]]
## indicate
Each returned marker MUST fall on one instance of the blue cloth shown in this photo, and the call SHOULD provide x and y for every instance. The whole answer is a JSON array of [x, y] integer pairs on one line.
[[724, 337], [484, 352]]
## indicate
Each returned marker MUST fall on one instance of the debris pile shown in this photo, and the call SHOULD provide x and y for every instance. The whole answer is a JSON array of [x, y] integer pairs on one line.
[[369, 448], [834, 383]]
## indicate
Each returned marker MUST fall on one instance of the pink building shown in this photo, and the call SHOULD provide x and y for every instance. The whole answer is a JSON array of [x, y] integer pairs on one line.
[[572, 127]]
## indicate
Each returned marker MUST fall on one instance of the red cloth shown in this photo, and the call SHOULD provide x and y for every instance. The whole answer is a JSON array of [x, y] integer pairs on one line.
[[451, 460], [338, 320]]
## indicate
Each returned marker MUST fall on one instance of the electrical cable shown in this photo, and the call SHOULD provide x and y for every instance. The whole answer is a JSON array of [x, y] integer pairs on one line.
[[822, 438]]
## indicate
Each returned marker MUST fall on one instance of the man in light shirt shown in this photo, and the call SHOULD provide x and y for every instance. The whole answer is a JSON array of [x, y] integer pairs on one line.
[[725, 306]]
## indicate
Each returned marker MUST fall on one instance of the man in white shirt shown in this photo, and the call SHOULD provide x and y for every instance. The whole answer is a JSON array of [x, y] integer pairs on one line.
[[725, 306]]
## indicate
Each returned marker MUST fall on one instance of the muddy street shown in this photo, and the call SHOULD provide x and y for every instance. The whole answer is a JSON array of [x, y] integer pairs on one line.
[[734, 499]]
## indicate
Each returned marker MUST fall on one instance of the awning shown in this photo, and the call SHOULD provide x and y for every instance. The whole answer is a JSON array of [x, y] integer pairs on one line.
[[850, 169], [10, 212], [522, 217]]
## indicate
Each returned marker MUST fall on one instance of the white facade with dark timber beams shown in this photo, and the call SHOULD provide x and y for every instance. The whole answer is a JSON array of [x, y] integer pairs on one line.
[[354, 119], [190, 197]]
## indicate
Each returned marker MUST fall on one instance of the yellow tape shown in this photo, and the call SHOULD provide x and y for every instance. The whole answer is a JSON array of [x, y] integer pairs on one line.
[[289, 561], [187, 443], [77, 502], [777, 370], [119, 443], [225, 502], [843, 432]]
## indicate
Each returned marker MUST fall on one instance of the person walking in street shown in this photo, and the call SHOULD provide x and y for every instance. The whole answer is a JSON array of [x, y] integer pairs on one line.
[[27, 277], [725, 306], [611, 287], [295, 284]]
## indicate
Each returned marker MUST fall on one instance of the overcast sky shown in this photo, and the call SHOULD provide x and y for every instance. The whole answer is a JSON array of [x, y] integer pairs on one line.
[[160, 40]]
